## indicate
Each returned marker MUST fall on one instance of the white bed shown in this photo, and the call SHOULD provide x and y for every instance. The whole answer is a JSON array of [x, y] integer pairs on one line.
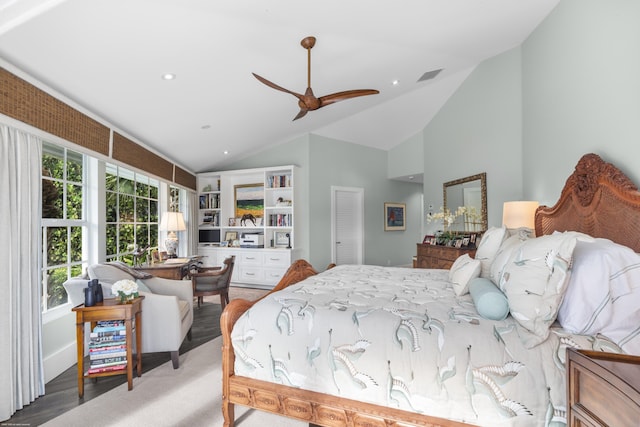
[[380, 346]]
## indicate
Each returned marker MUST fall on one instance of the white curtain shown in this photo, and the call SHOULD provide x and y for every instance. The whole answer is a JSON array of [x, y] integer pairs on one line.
[[21, 367]]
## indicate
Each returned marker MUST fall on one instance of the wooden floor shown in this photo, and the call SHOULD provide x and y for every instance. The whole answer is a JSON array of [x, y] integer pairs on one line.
[[61, 393]]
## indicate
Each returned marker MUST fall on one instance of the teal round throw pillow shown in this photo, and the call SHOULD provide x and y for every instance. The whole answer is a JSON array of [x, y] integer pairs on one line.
[[490, 302]]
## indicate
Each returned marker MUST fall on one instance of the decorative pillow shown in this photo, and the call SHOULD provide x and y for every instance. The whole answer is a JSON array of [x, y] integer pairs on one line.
[[462, 271], [503, 255], [488, 248], [603, 294], [534, 281], [490, 302]]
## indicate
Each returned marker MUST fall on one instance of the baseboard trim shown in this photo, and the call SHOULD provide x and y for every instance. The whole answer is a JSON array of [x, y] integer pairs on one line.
[[60, 361]]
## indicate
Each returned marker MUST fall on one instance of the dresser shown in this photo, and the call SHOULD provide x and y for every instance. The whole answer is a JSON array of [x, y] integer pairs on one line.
[[437, 256], [603, 389], [259, 268]]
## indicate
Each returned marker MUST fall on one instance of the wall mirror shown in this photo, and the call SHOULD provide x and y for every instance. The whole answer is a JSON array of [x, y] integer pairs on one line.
[[469, 193]]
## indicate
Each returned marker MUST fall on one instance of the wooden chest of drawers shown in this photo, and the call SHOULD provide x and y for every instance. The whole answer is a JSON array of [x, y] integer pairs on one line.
[[603, 389], [436, 256]]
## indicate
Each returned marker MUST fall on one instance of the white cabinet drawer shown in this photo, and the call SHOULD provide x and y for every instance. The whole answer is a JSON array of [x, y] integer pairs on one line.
[[250, 274], [273, 275], [249, 258], [277, 259]]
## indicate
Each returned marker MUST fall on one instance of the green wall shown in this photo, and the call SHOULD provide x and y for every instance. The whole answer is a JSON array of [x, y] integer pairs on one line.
[[336, 163], [478, 130], [581, 92]]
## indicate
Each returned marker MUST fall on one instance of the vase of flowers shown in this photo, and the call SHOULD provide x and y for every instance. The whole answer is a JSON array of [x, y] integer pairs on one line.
[[125, 290]]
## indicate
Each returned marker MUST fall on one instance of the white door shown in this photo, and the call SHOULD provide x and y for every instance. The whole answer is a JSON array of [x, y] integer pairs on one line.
[[347, 225]]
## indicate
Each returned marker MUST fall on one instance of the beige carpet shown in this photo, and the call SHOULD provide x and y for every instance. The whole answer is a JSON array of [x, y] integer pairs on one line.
[[187, 396]]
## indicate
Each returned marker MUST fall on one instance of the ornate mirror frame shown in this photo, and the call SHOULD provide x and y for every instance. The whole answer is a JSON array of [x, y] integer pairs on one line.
[[482, 177]]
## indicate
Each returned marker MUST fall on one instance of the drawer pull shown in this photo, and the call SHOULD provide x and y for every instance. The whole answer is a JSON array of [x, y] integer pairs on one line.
[[250, 274], [274, 259], [249, 257]]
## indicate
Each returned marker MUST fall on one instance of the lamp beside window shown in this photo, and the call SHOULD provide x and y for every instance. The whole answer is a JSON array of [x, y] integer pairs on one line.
[[172, 222], [520, 215]]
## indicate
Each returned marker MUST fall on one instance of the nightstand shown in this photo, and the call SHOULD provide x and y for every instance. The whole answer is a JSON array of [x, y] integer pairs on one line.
[[437, 256], [603, 389]]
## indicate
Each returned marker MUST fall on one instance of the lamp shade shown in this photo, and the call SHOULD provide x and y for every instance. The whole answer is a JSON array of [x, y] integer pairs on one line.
[[172, 221], [520, 214]]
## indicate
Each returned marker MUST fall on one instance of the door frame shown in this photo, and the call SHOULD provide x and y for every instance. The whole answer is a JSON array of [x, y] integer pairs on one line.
[[360, 192]]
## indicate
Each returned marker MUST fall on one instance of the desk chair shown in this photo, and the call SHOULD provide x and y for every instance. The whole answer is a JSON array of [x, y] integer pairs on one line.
[[213, 281]]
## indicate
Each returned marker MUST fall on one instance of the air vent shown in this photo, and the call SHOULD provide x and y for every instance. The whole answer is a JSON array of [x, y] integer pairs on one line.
[[429, 75]]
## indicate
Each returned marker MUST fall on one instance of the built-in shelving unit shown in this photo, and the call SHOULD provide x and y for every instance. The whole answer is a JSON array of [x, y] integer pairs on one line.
[[263, 247]]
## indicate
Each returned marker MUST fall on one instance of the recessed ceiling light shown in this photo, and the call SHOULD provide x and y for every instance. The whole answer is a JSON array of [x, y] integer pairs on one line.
[[168, 76], [205, 127], [395, 82], [225, 152]]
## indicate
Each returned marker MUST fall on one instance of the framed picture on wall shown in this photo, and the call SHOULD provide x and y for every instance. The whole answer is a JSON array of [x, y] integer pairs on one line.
[[394, 216], [249, 200]]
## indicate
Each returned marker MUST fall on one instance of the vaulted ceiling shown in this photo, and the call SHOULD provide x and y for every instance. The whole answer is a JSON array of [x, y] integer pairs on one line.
[[109, 56]]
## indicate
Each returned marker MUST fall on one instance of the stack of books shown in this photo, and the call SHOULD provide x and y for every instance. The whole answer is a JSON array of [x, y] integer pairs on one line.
[[108, 347]]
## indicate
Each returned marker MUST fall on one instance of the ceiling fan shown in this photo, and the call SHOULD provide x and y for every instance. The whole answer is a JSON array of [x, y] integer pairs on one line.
[[308, 101]]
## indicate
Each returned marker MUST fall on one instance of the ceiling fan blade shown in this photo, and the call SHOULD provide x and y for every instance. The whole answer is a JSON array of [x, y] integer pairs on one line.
[[347, 94], [300, 114], [275, 86]]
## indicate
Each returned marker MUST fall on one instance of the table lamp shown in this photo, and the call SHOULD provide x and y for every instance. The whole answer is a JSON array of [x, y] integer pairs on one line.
[[172, 222], [520, 215]]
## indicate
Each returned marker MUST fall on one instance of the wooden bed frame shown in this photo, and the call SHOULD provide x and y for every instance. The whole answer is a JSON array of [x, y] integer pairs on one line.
[[597, 199]]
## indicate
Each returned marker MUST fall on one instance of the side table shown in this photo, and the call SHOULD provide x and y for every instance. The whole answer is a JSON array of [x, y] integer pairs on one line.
[[603, 389], [110, 309]]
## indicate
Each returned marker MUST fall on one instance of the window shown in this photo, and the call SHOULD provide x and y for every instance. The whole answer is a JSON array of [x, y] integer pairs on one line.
[[63, 221], [131, 212]]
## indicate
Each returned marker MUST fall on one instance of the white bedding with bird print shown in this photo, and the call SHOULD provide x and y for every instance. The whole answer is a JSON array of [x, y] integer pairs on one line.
[[400, 337]]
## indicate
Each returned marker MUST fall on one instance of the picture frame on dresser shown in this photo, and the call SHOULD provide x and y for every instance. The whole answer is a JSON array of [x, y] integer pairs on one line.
[[280, 239]]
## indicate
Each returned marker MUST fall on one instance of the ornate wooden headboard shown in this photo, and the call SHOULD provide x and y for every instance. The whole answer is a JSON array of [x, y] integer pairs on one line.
[[597, 199]]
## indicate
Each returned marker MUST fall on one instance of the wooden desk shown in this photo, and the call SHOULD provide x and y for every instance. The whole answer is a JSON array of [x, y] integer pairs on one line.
[[170, 269], [110, 309]]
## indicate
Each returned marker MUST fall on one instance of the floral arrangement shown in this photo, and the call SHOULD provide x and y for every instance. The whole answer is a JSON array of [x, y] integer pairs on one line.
[[470, 213], [445, 215], [125, 290], [470, 216]]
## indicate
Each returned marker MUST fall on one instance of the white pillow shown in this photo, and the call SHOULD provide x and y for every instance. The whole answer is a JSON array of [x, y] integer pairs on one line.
[[501, 259], [462, 271], [534, 281], [488, 248], [603, 294]]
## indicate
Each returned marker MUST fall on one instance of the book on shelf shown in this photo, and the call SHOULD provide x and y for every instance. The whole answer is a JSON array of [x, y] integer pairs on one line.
[[106, 346], [280, 220], [109, 327], [100, 355], [106, 334], [279, 181], [112, 368], [108, 362]]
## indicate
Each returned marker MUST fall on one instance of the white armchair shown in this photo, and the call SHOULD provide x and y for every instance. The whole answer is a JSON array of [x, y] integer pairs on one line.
[[167, 309]]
